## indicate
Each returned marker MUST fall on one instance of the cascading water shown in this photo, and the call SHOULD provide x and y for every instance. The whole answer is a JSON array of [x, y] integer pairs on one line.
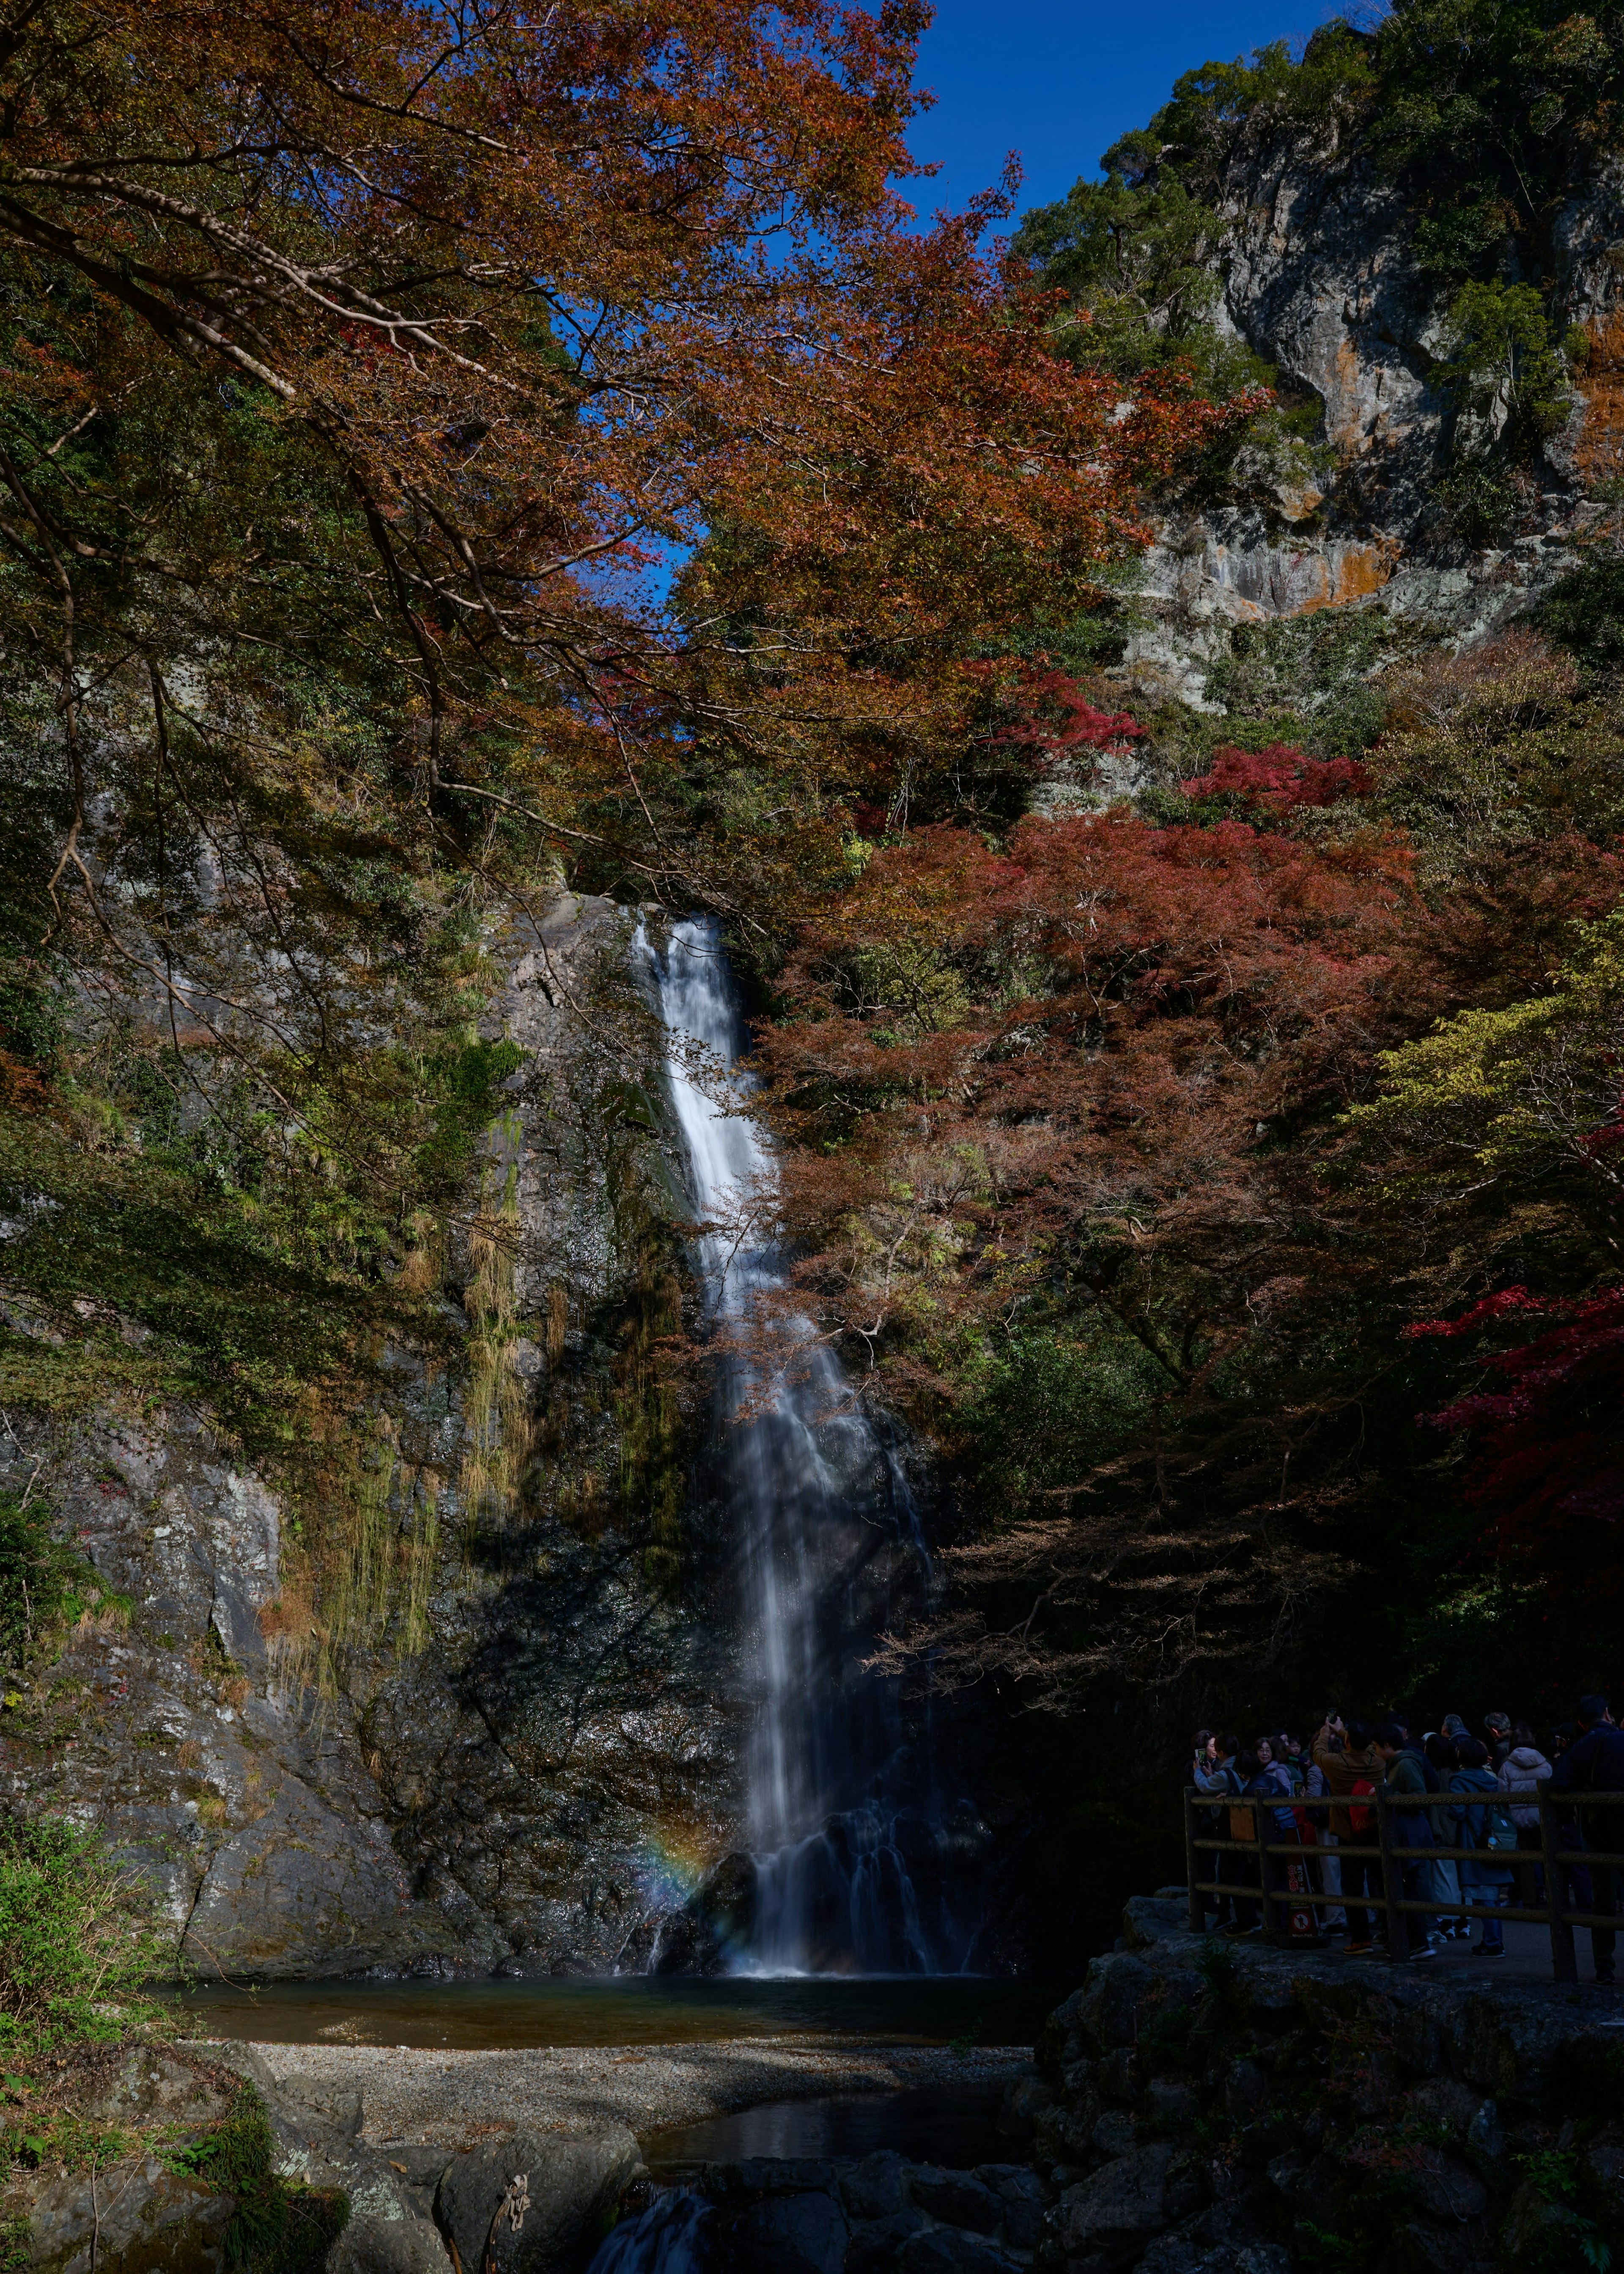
[[852, 1846]]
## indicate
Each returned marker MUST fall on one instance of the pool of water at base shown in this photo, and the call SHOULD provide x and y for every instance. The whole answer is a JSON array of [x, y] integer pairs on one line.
[[626, 2010], [951, 2124]]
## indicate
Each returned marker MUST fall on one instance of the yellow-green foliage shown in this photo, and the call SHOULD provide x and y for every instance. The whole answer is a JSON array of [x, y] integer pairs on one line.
[[78, 1939], [1526, 1092], [496, 1410]]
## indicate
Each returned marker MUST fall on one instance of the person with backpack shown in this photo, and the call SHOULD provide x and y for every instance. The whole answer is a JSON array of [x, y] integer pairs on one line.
[[1522, 1772], [1342, 1753], [1482, 1821]]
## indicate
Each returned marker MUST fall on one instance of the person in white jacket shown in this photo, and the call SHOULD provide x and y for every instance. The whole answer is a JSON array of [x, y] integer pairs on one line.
[[1522, 1772]]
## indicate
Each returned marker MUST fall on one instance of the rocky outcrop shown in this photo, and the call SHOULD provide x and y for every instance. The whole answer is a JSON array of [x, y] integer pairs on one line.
[[494, 1765], [1205, 2109], [1320, 276], [879, 2215]]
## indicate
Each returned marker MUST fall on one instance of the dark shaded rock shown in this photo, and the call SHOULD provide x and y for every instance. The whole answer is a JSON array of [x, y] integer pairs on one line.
[[1061, 2042], [574, 2183], [1025, 2200], [1114, 2135], [946, 2250], [1170, 2100], [1246, 2091], [874, 2246], [1108, 2016], [1447, 2189], [1121, 2077], [1425, 2246], [1024, 2102], [1485, 2144], [875, 2188], [1129, 2201], [1601, 2172], [1147, 1918], [804, 2234], [715, 1923], [956, 2198], [136, 2217]]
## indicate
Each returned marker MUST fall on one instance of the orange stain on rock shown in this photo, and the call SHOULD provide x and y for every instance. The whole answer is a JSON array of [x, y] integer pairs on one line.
[[1353, 574], [1600, 450]]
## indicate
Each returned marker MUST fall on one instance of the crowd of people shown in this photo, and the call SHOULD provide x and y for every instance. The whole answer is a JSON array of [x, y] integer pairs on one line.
[[1482, 1792]]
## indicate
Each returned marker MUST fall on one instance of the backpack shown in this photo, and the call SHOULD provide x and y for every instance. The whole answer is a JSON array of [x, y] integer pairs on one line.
[[1500, 1831], [1361, 1821]]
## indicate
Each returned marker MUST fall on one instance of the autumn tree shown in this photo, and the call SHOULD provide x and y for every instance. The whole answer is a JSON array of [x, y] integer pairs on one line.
[[444, 452]]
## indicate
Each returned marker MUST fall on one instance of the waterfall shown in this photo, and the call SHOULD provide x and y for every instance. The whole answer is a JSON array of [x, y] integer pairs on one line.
[[844, 1815]]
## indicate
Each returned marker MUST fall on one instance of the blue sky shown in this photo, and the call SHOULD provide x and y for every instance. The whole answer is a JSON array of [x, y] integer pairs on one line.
[[1060, 83]]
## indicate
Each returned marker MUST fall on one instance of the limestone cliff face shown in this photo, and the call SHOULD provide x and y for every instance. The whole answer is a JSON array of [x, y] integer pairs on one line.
[[1319, 275], [492, 1773]]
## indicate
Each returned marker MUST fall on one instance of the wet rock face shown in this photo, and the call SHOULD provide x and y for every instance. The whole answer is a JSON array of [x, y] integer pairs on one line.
[[501, 1797]]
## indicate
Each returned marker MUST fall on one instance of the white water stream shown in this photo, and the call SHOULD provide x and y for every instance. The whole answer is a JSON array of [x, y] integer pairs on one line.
[[825, 1525]]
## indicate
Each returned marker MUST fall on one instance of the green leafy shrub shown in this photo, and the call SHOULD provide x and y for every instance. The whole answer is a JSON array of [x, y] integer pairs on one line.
[[78, 1939], [277, 2229], [1501, 352], [1583, 611], [41, 1582]]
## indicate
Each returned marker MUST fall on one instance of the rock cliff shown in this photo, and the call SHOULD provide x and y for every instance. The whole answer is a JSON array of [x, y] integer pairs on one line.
[[1321, 275], [487, 1753]]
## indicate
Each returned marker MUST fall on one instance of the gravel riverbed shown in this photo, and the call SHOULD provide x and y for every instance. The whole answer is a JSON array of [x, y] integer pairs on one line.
[[432, 2096]]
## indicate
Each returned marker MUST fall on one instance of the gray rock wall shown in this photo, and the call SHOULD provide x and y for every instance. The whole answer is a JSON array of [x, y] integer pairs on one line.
[[1320, 278], [496, 1776]]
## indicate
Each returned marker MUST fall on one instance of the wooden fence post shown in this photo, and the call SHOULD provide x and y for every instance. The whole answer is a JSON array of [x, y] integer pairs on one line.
[[1262, 1831], [1197, 1903], [1392, 1880], [1564, 1957]]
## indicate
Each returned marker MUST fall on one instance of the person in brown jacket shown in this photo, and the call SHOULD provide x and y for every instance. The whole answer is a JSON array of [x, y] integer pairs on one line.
[[1343, 1753]]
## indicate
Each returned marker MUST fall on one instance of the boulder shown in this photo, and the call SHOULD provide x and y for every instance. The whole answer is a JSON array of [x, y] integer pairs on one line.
[[574, 2184], [1115, 1989], [149, 2084], [1114, 2135], [1121, 2207], [389, 2245], [874, 2246], [134, 2214], [956, 2198], [875, 2188], [804, 2234], [1024, 2198], [1148, 1919], [1024, 2102]]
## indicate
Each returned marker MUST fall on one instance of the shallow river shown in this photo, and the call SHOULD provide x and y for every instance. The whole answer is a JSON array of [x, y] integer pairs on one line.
[[628, 2010]]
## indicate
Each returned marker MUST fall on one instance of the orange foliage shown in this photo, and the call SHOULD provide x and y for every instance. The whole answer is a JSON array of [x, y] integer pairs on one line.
[[566, 291], [1086, 1050]]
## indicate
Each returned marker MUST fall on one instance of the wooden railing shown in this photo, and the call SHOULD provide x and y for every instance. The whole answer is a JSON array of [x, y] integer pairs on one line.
[[1286, 1907]]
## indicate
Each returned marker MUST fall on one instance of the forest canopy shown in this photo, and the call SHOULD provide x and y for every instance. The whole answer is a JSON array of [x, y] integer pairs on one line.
[[451, 454]]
